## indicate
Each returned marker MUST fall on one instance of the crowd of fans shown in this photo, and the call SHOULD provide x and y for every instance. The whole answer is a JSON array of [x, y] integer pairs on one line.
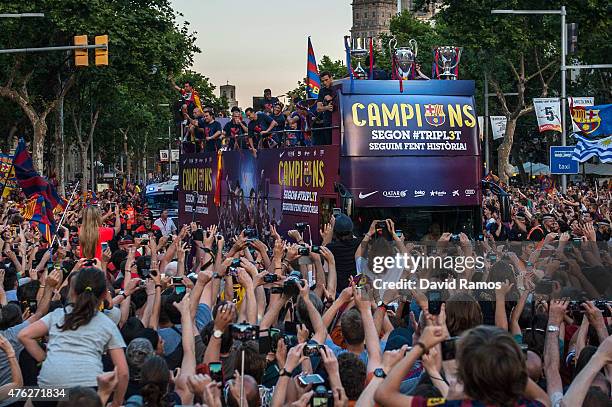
[[271, 125], [124, 309]]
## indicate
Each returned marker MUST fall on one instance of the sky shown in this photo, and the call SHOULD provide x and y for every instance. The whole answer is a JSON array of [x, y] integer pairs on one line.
[[257, 44]]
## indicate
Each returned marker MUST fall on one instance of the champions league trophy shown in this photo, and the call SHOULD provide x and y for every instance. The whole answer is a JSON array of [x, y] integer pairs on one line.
[[359, 53], [404, 59], [446, 62]]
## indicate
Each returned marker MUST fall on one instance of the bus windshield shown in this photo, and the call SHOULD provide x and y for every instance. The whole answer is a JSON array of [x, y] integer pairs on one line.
[[163, 201]]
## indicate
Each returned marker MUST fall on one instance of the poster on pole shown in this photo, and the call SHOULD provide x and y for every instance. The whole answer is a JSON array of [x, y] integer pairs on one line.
[[481, 120], [580, 101], [498, 126], [548, 113]]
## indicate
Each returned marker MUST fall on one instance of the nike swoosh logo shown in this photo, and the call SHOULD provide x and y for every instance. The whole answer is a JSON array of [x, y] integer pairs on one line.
[[281, 155], [364, 196]]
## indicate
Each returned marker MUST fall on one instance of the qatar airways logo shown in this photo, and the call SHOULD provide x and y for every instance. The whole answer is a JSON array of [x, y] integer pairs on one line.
[[395, 194]]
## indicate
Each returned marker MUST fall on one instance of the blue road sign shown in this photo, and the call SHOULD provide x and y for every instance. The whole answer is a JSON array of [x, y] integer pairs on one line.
[[561, 161]]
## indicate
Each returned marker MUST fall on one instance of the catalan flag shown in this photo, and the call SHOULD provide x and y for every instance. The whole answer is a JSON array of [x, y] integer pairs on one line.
[[313, 82]]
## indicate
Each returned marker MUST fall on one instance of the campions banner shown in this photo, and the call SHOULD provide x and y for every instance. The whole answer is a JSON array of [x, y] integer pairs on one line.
[[409, 125], [280, 186], [548, 113]]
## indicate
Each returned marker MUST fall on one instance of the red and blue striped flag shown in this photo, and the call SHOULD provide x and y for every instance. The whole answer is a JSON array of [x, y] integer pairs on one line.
[[313, 82], [30, 181], [44, 196], [38, 211]]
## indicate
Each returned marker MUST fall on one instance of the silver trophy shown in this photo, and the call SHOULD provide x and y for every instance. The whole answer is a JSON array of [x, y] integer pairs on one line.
[[448, 59], [405, 57], [359, 54]]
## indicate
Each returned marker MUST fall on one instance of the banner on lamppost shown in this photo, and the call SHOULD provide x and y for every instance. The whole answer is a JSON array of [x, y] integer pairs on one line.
[[548, 113], [580, 101], [498, 126], [163, 155], [481, 120]]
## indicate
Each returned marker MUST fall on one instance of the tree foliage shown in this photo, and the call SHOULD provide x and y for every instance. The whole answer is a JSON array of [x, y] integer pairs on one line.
[[147, 47]]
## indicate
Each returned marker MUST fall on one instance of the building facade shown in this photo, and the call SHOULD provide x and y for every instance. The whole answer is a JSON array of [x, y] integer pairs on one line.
[[371, 18]]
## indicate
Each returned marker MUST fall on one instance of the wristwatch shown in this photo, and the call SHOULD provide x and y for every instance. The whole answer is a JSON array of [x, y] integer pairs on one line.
[[217, 334], [284, 372], [552, 328], [378, 372]]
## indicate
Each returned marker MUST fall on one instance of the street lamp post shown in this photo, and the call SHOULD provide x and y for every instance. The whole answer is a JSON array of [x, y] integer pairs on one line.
[[562, 13], [487, 95], [169, 141]]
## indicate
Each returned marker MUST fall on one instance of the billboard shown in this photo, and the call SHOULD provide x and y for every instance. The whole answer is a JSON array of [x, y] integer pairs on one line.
[[409, 125], [280, 186]]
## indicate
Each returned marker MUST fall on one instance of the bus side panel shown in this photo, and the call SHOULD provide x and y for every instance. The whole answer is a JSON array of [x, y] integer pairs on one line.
[[281, 186], [412, 181]]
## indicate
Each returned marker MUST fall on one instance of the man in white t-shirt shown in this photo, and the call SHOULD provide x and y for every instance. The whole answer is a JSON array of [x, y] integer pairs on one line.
[[165, 224]]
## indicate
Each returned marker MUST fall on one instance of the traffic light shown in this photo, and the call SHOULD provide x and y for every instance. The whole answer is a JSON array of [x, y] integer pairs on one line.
[[80, 55], [572, 37], [102, 53]]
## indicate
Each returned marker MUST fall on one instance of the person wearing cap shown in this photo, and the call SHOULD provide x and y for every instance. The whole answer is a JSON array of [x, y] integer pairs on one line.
[[343, 245], [549, 225], [136, 354], [148, 227]]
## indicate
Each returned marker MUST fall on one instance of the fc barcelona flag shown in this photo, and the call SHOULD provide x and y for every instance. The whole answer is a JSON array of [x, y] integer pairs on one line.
[[30, 181], [313, 82], [594, 122], [37, 210]]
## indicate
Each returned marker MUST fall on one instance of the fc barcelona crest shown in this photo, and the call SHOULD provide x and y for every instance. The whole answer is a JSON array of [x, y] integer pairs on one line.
[[434, 115], [587, 120], [307, 173]]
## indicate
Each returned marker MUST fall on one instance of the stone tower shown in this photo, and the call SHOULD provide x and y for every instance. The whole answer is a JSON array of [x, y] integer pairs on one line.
[[229, 92], [371, 18]]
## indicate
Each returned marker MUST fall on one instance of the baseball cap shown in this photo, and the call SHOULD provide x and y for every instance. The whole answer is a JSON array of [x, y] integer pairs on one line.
[[343, 224], [398, 338], [136, 353]]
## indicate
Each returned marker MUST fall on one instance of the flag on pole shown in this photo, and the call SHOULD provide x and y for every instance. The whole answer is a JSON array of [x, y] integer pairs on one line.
[[593, 121], [595, 137], [7, 175], [586, 149], [44, 198], [548, 113], [38, 211], [30, 181], [313, 82], [580, 101]]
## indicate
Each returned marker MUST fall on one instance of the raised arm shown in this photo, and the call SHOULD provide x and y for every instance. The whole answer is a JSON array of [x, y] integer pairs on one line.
[[372, 342], [225, 316], [188, 364], [16, 377], [551, 347], [320, 333], [582, 382]]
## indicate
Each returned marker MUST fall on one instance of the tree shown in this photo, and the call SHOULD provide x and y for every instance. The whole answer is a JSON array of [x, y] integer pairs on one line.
[[336, 68], [146, 46]]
